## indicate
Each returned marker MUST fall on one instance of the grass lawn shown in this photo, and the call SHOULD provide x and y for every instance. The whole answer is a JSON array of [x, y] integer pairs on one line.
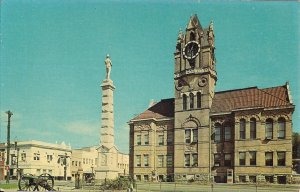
[[8, 186]]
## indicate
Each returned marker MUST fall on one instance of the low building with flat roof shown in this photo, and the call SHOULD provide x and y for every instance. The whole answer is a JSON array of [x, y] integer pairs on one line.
[[38, 157]]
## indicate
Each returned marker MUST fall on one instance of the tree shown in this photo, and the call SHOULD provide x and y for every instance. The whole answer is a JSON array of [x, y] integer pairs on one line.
[[296, 145]]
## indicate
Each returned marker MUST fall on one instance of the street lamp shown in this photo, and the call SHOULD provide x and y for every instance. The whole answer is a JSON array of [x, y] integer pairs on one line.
[[9, 114], [92, 167], [18, 150], [64, 159]]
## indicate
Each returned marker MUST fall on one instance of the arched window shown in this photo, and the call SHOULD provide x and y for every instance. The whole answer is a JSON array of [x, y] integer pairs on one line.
[[252, 128], [242, 129], [217, 135], [227, 132], [184, 102], [269, 129], [198, 100], [191, 101], [192, 36], [281, 128]]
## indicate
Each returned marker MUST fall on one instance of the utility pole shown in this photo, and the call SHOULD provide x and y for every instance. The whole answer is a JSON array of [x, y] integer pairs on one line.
[[9, 114]]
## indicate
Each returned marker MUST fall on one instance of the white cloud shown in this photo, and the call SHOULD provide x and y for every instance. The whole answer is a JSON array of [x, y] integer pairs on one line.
[[86, 128]]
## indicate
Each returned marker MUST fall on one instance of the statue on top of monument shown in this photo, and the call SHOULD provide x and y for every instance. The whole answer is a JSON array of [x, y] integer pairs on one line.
[[108, 65]]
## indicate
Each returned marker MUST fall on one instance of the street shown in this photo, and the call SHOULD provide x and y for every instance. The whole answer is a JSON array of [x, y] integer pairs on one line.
[[176, 187]]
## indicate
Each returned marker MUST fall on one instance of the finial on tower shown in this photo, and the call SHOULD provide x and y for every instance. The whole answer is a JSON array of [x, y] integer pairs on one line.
[[180, 35], [108, 65], [211, 25]]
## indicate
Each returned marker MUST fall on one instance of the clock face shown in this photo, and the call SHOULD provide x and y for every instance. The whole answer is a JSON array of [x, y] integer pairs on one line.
[[191, 50]]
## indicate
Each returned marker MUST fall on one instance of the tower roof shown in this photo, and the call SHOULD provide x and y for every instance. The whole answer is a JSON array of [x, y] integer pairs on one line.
[[194, 23]]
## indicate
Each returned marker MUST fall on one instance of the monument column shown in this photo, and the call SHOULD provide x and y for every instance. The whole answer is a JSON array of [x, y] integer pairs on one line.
[[107, 119]]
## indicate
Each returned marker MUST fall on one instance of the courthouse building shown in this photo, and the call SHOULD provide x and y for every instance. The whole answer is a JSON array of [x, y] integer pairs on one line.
[[241, 135]]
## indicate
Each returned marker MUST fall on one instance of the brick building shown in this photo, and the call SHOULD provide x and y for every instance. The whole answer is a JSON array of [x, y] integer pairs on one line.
[[241, 135]]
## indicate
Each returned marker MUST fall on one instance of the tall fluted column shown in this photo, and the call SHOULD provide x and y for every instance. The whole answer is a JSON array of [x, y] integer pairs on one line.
[[107, 124]]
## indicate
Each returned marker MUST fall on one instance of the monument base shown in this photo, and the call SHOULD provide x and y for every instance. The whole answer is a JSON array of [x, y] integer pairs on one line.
[[104, 174]]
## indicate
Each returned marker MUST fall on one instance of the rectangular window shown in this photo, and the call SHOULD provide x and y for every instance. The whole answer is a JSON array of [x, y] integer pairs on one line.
[[242, 129], [198, 100], [146, 177], [169, 138], [227, 159], [146, 160], [269, 130], [187, 136], [23, 156], [138, 160], [252, 128], [138, 140], [36, 156], [269, 158], [269, 179], [217, 134], [49, 158], [217, 160], [161, 140], [83, 160], [281, 158], [195, 135], [184, 102], [242, 157], [252, 155], [160, 160], [13, 159], [281, 129], [252, 179], [187, 160], [191, 101], [146, 139], [195, 160], [227, 133], [242, 179], [169, 160]]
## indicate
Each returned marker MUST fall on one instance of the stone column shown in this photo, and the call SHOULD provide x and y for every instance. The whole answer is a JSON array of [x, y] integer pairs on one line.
[[107, 123]]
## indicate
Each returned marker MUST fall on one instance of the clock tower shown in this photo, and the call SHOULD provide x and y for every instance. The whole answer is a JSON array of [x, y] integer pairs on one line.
[[194, 78]]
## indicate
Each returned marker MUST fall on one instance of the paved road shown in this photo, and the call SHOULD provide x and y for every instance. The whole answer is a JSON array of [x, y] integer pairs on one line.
[[68, 186], [172, 187]]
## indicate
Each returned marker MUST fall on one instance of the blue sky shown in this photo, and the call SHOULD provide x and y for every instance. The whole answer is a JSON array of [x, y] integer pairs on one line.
[[52, 59]]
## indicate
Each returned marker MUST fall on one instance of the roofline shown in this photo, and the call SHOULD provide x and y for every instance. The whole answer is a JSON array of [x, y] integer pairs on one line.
[[220, 113], [255, 87], [279, 107], [154, 119], [249, 108], [39, 145]]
